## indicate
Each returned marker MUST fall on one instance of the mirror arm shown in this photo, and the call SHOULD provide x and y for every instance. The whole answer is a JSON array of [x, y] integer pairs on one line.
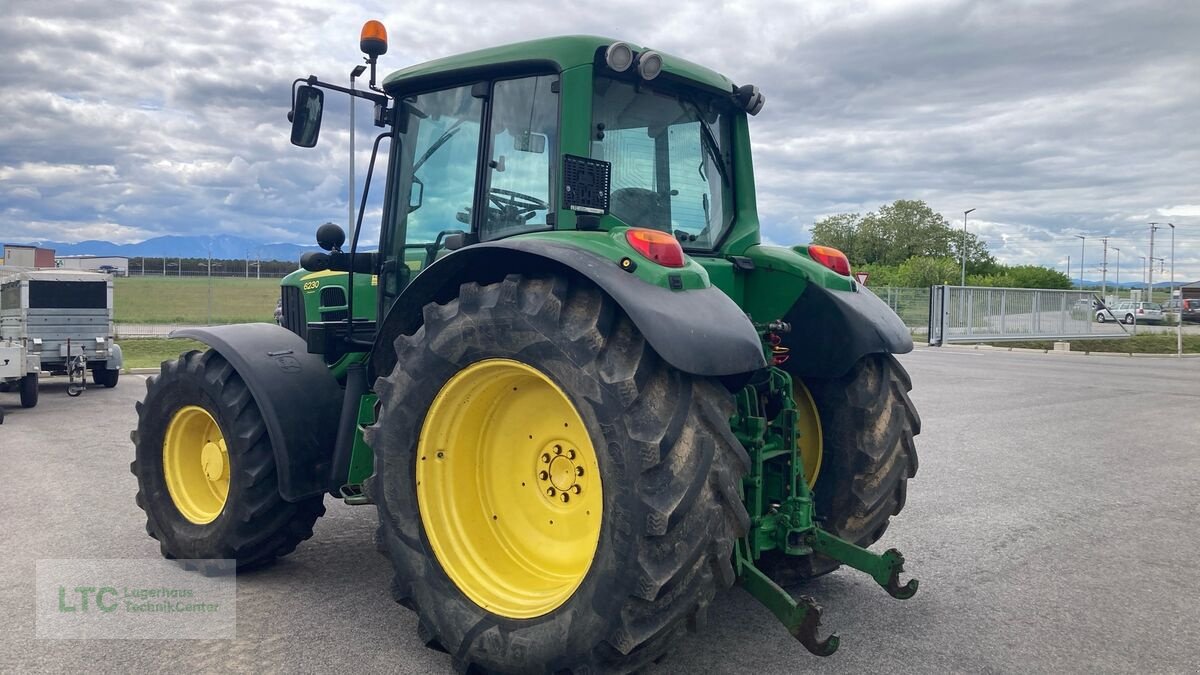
[[312, 81]]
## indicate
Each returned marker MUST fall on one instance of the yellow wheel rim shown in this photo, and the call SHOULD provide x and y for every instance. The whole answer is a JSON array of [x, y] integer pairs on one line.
[[196, 464], [809, 425], [508, 488]]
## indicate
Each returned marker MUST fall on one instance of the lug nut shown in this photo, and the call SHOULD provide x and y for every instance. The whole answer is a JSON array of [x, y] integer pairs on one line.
[[579, 471], [576, 489], [558, 449], [566, 497], [545, 458], [543, 475], [550, 491], [571, 453]]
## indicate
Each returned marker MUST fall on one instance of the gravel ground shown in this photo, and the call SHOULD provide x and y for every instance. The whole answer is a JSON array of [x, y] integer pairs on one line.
[[1052, 526]]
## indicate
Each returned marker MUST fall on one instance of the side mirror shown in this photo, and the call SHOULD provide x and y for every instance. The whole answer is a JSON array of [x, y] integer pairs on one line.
[[330, 237], [306, 115], [528, 141]]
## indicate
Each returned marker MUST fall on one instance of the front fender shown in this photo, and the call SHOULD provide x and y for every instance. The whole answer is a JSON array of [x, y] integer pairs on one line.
[[298, 397], [699, 331], [832, 330]]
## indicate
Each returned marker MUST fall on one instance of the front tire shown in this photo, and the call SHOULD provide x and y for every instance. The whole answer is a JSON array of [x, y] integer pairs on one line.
[[206, 469], [867, 424], [661, 513]]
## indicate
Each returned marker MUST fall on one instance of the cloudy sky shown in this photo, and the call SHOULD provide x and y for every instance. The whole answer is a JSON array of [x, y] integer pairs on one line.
[[126, 119]]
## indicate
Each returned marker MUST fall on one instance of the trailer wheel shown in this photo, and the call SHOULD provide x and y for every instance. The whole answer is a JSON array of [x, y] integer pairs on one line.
[[206, 469], [553, 496], [867, 425], [105, 377], [29, 390]]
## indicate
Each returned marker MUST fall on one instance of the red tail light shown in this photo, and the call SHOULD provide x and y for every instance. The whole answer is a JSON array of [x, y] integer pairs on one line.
[[831, 258], [1141, 311], [656, 246]]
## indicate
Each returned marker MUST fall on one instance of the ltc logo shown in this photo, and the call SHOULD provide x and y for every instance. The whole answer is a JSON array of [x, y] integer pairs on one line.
[[84, 596]]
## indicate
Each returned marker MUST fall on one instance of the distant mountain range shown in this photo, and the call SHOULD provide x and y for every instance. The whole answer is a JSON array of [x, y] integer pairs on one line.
[[223, 247]]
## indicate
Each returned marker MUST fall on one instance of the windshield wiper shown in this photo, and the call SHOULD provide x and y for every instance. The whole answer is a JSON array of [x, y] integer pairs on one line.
[[447, 135], [709, 140]]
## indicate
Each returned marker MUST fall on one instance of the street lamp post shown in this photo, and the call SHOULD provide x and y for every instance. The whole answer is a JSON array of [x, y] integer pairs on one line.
[[1081, 245], [1118, 282], [1150, 268], [358, 70], [1179, 316], [963, 281]]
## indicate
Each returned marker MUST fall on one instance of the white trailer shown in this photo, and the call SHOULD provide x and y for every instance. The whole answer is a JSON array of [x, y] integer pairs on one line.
[[64, 318]]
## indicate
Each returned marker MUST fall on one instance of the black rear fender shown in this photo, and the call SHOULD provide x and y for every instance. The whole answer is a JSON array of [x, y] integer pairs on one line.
[[701, 332]]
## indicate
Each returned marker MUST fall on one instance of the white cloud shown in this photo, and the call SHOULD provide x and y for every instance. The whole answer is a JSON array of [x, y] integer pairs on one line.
[[1050, 119]]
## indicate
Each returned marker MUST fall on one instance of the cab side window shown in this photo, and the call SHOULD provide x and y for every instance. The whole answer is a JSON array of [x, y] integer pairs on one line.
[[524, 139]]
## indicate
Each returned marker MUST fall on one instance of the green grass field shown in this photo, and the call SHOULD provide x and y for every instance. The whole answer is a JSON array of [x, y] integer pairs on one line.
[[1150, 343], [151, 352], [185, 300]]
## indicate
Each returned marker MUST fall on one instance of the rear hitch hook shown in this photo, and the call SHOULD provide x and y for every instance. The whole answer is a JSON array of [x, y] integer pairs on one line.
[[806, 630], [893, 586]]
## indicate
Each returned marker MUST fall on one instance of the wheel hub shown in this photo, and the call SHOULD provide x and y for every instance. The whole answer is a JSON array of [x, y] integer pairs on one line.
[[213, 459], [559, 472]]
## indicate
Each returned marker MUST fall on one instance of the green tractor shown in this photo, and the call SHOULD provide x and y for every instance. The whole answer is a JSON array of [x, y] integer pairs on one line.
[[581, 394]]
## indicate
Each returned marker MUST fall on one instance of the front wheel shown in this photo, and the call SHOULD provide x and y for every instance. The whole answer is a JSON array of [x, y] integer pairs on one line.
[[1128, 319], [866, 427], [206, 469], [1100, 318], [553, 496]]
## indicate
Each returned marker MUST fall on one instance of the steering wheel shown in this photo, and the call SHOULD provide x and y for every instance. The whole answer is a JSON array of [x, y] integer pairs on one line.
[[508, 206]]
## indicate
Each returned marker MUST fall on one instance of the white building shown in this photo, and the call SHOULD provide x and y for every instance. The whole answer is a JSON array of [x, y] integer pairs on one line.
[[113, 264]]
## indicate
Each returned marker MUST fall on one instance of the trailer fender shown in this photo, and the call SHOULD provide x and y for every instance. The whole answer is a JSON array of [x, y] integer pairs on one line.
[[832, 330], [116, 359], [299, 398], [700, 332]]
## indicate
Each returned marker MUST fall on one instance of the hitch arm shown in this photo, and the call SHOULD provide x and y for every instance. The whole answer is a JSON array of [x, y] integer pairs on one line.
[[884, 569], [801, 617]]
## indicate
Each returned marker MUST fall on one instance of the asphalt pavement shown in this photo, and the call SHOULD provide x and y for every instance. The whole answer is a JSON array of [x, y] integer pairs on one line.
[[1052, 525]]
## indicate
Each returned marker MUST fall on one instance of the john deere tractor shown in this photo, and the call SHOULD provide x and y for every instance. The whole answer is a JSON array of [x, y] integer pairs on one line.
[[581, 394]]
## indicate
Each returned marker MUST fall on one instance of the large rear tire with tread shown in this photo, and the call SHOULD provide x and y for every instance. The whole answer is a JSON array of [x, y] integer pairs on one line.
[[868, 423], [669, 468], [251, 523]]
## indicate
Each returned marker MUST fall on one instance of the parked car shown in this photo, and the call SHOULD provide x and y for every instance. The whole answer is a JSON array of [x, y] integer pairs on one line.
[[1127, 311], [1191, 310]]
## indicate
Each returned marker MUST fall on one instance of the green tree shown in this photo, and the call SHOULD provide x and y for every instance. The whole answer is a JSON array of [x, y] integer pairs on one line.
[[923, 271], [896, 233]]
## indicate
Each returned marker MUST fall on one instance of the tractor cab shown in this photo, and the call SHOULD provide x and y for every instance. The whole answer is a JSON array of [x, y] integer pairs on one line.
[[561, 134]]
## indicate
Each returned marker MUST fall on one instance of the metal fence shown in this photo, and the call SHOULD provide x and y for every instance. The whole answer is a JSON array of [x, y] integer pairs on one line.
[[976, 314], [910, 304]]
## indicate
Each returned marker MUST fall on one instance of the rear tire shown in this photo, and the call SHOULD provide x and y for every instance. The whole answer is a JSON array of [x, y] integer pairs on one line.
[[670, 473], [29, 390], [868, 423], [253, 524]]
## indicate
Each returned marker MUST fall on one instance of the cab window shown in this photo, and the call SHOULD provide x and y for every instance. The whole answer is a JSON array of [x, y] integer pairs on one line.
[[524, 131]]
